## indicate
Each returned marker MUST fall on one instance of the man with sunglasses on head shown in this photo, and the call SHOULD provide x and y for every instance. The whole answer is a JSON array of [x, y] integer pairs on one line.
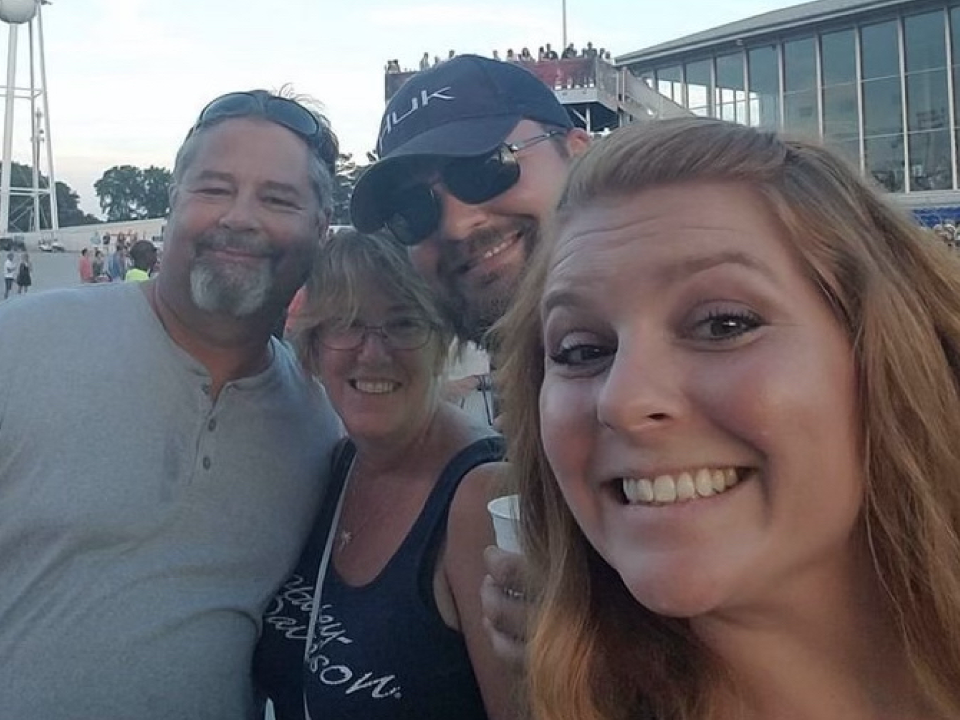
[[134, 589], [473, 154]]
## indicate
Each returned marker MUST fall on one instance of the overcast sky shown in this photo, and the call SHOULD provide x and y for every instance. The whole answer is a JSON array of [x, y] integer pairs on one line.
[[127, 77]]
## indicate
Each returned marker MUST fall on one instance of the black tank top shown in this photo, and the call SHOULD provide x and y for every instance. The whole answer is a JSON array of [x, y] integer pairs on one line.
[[383, 650]]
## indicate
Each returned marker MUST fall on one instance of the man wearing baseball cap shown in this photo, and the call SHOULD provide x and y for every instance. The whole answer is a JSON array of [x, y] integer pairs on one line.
[[472, 155]]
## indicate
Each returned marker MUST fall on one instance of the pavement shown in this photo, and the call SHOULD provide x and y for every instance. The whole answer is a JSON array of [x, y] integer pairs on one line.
[[51, 270]]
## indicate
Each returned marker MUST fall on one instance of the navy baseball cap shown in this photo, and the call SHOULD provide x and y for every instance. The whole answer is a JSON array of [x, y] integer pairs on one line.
[[462, 107]]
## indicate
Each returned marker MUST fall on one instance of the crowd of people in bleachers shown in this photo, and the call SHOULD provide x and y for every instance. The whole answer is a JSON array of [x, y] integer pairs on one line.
[[544, 52]]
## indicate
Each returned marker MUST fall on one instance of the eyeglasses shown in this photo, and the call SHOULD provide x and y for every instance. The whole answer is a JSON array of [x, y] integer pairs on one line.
[[398, 334], [413, 213], [283, 111]]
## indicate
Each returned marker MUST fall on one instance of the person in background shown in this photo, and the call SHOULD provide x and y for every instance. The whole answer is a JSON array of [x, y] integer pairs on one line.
[[9, 274], [85, 267], [144, 256], [119, 263], [732, 395], [24, 273], [496, 54], [97, 267], [395, 563], [511, 56], [425, 61], [135, 588]]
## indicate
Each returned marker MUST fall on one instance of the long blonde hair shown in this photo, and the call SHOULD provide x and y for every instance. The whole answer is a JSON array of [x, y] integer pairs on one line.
[[597, 654]]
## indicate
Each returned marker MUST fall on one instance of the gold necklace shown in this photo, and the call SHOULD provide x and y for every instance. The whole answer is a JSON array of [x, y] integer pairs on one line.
[[345, 536]]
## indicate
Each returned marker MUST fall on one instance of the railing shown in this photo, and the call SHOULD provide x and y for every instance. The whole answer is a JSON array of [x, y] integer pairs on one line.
[[565, 74], [393, 81], [618, 85], [555, 74]]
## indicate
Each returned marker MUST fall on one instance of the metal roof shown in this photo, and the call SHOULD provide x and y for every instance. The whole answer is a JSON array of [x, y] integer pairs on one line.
[[797, 16]]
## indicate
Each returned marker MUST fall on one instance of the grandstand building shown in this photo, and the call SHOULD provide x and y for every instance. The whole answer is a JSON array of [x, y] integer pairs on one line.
[[877, 79]]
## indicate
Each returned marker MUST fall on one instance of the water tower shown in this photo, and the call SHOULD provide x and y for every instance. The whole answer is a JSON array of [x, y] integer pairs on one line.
[[16, 13]]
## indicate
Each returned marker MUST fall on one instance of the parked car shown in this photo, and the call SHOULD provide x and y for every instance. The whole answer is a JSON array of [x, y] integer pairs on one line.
[[51, 246], [14, 242]]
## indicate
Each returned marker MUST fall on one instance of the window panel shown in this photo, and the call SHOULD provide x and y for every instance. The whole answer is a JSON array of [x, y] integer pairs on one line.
[[884, 161], [849, 149], [930, 161], [882, 107], [799, 65], [764, 87], [841, 117], [730, 95], [730, 71], [927, 100], [879, 50], [699, 85], [838, 57], [955, 34], [670, 83], [956, 93], [925, 47], [800, 113]]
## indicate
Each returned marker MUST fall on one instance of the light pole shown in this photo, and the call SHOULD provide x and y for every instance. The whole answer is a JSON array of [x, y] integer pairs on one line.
[[564, 45]]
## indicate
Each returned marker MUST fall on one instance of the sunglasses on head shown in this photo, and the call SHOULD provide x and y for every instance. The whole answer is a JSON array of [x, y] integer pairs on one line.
[[413, 212], [283, 111]]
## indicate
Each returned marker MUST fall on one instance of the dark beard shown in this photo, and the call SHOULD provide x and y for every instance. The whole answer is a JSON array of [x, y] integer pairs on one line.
[[472, 320]]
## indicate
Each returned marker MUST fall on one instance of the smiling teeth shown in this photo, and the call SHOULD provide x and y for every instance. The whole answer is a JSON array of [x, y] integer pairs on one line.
[[496, 250], [380, 387], [667, 489]]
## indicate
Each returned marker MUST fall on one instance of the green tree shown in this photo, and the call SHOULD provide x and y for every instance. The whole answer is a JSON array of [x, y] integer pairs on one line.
[[120, 190], [68, 208], [127, 192], [21, 206], [156, 183]]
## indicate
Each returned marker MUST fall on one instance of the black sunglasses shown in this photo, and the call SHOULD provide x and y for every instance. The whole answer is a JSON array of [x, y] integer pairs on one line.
[[283, 111], [413, 212]]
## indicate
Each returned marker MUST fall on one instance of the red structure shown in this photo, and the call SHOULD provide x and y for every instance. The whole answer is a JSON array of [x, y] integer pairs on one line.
[[555, 74]]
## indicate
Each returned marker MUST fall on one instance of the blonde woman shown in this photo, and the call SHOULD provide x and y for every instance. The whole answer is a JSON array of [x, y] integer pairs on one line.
[[381, 618], [731, 389]]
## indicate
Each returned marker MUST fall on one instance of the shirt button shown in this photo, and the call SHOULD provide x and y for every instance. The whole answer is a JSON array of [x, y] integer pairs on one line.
[[205, 388], [206, 462], [212, 425]]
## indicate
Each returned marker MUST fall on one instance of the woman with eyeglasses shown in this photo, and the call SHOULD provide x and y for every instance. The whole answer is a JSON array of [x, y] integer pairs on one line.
[[382, 618], [731, 385]]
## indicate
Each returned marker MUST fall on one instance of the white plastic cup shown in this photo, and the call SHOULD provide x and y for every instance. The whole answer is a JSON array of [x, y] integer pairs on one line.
[[505, 512]]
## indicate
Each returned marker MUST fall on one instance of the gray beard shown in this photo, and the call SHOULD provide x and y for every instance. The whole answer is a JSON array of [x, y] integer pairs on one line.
[[234, 291]]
